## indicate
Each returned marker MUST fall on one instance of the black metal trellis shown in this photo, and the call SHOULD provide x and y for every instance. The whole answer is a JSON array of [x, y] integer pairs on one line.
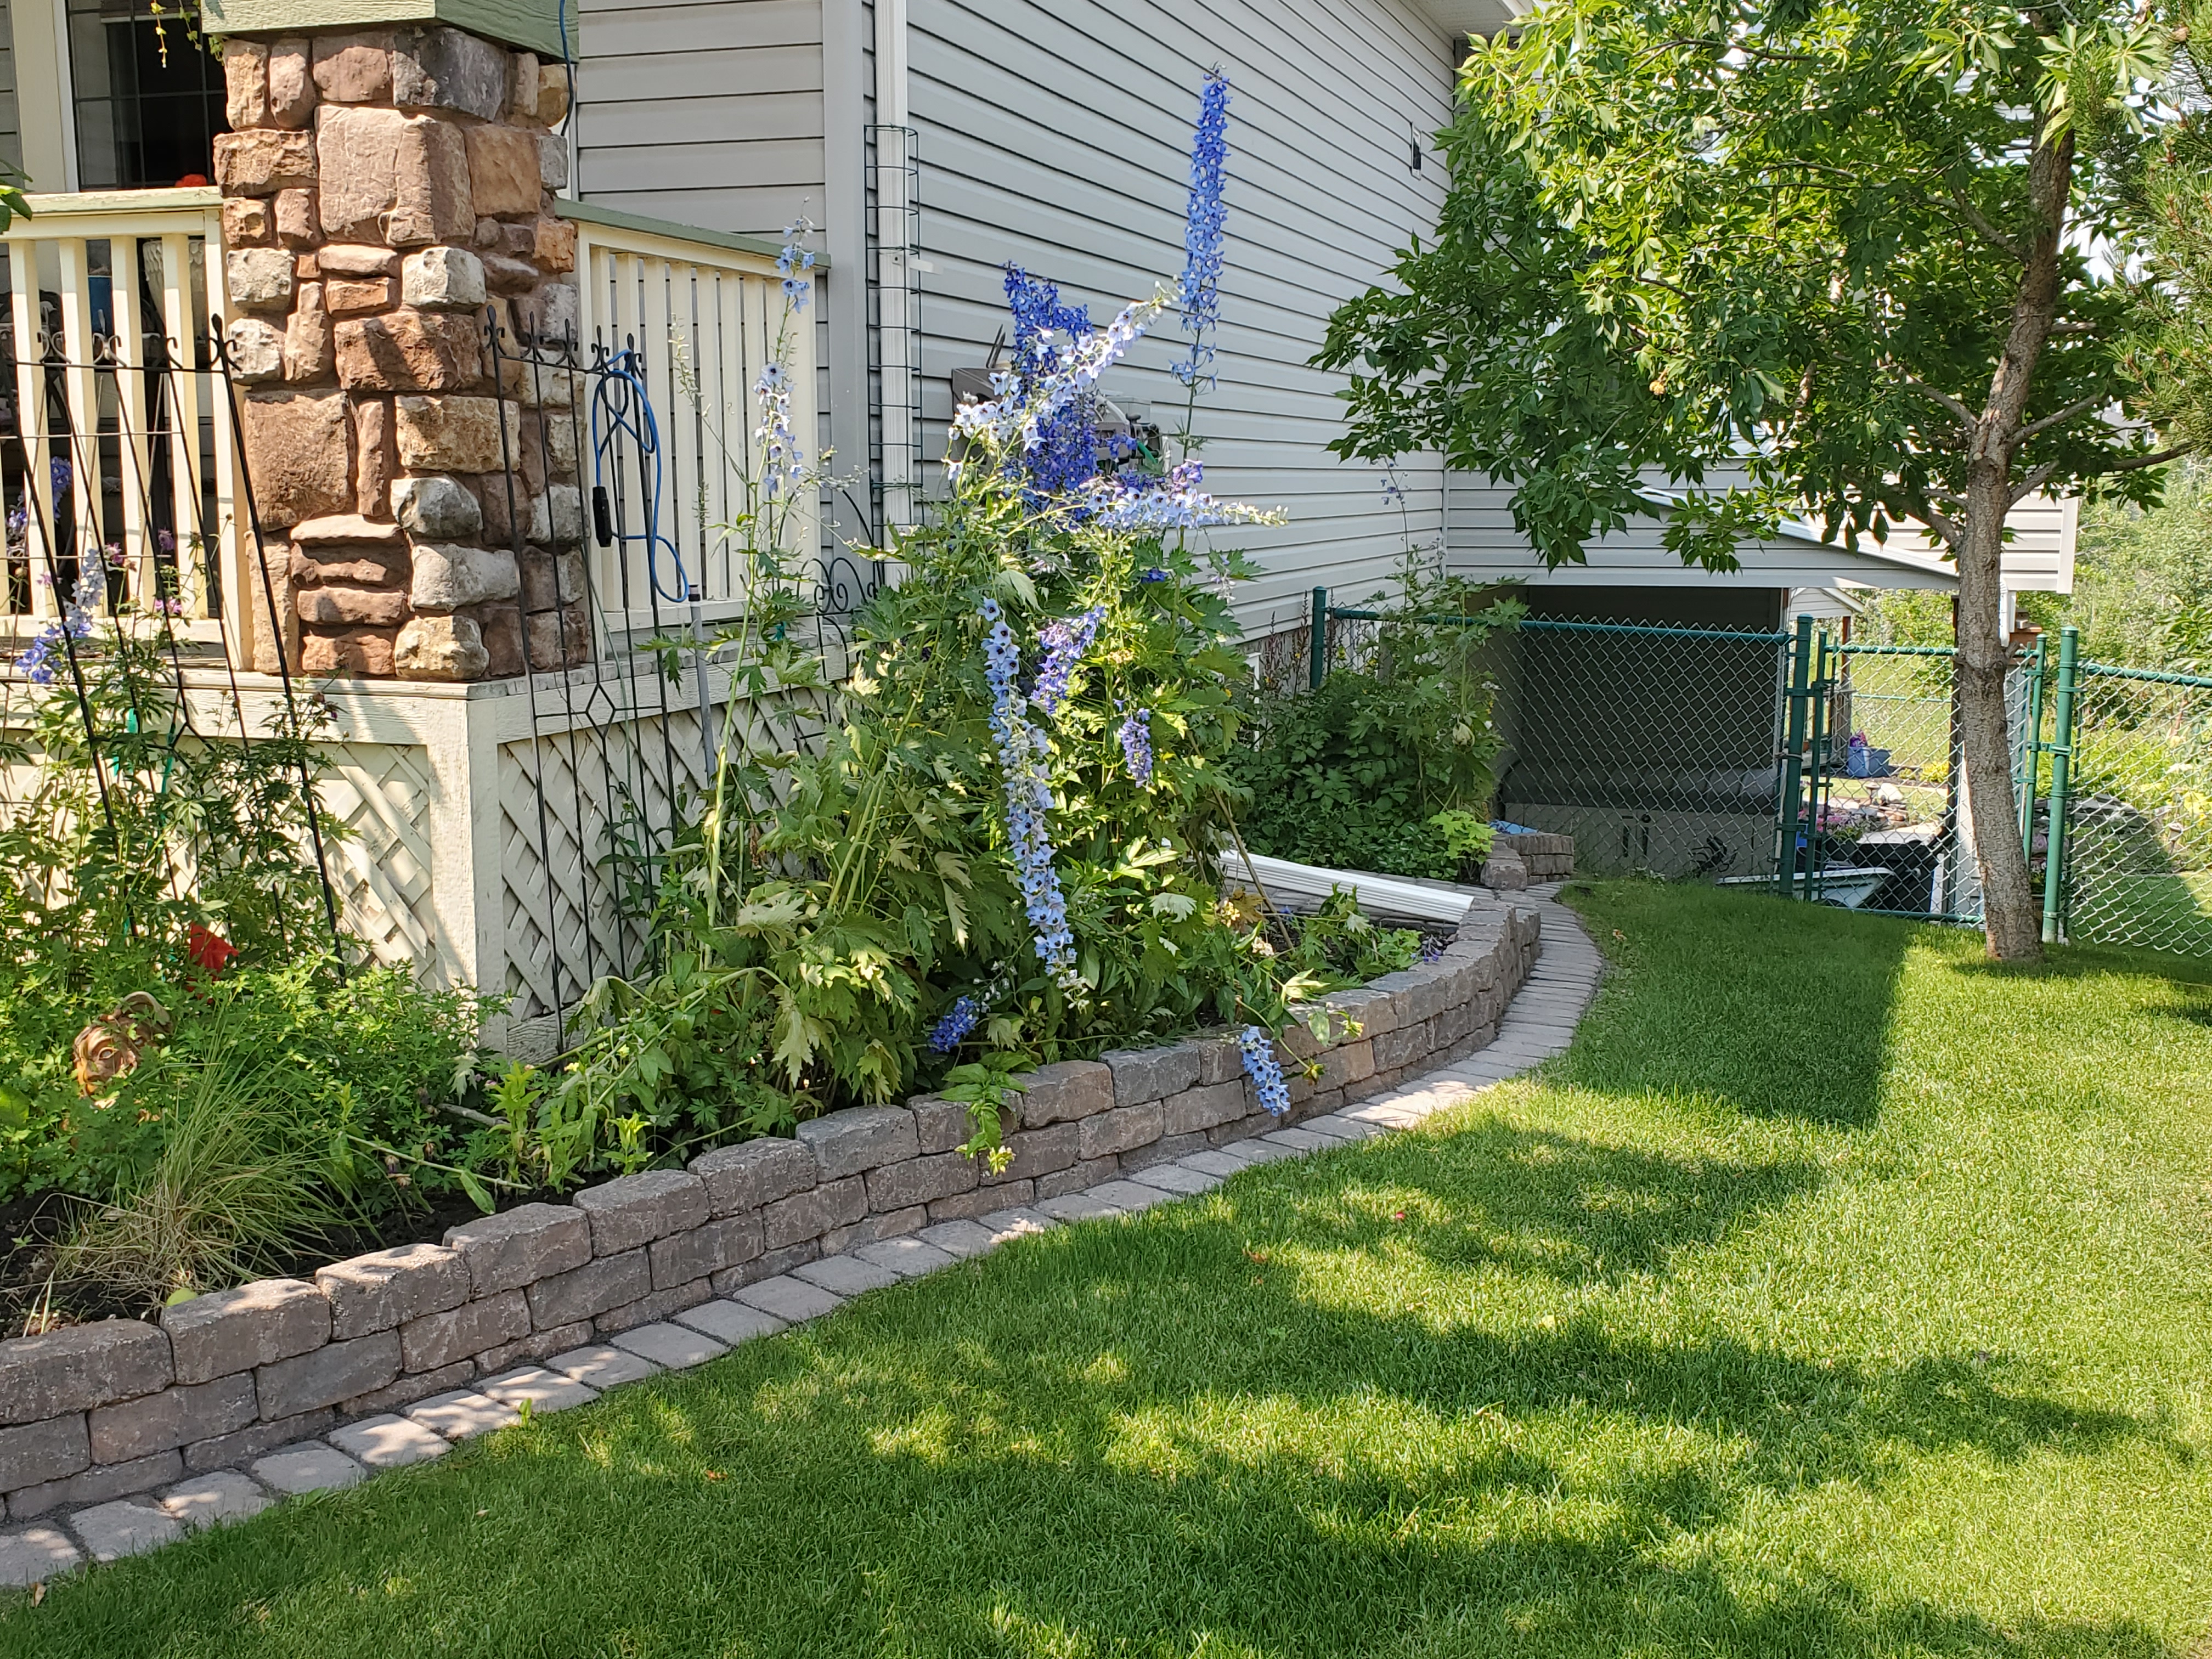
[[66, 455], [607, 700]]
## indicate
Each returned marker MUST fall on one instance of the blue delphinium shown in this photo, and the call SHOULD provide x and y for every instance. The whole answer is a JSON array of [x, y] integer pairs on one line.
[[75, 622], [1266, 1072], [1028, 787], [793, 263], [1064, 455], [1200, 293], [1064, 642], [952, 1029], [1137, 747], [1151, 573], [1143, 506], [782, 459]]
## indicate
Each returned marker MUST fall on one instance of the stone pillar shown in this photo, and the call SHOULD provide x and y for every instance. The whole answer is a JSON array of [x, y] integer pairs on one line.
[[386, 190]]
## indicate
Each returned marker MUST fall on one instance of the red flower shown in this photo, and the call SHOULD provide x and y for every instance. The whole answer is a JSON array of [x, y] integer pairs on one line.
[[210, 950]]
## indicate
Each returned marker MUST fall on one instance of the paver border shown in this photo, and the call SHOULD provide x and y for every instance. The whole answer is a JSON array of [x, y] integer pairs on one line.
[[423, 1290]]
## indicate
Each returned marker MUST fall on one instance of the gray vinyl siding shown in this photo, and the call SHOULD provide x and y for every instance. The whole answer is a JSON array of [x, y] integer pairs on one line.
[[708, 113], [1057, 136]]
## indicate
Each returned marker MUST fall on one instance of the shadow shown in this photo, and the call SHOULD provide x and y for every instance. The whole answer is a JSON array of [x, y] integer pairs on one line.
[[1047, 1455], [1804, 1035], [1493, 1195]]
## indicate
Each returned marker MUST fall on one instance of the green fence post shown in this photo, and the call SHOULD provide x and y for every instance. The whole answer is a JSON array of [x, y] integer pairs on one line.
[[1793, 758], [2032, 751], [2062, 766], [1318, 642]]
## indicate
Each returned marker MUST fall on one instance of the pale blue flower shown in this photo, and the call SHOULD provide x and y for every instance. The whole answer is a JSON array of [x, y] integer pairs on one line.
[[1265, 1071]]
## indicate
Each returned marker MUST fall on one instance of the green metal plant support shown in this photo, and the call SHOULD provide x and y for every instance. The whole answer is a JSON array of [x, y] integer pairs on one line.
[[2061, 760], [1789, 806], [1318, 642]]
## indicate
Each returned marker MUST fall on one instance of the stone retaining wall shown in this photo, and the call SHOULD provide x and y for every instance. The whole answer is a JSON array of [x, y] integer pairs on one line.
[[98, 1411]]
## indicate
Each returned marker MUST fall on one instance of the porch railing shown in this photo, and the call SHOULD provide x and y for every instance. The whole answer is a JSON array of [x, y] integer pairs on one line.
[[699, 315], [116, 436]]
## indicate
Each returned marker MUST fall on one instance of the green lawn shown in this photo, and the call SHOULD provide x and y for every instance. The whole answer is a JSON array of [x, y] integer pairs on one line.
[[1835, 1294]]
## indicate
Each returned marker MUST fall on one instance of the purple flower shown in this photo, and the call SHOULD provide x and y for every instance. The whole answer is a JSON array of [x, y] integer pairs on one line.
[[1152, 573], [1027, 786], [1137, 747], [1064, 452], [958, 1020], [75, 622], [1064, 642], [1265, 1071], [1200, 293]]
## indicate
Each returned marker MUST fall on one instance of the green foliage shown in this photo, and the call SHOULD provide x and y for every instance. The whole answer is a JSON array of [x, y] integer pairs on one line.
[[366, 1055], [1338, 943], [134, 850], [105, 869], [1783, 249], [1352, 773], [1465, 836], [238, 1180], [847, 878]]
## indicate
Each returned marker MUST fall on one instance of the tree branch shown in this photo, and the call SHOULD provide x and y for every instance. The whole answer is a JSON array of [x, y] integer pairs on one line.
[[1978, 221], [1942, 523], [2033, 481], [2137, 462], [1965, 415], [2080, 405]]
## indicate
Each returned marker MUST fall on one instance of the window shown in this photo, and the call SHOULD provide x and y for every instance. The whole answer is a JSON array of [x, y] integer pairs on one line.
[[150, 100]]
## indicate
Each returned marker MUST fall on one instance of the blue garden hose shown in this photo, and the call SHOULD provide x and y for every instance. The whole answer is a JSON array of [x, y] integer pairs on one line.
[[622, 407]]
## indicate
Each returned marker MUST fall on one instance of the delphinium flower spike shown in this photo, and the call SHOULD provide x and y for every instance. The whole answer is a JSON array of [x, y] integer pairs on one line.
[[1137, 747], [952, 1029], [1065, 641], [1265, 1071], [1199, 295], [1027, 789]]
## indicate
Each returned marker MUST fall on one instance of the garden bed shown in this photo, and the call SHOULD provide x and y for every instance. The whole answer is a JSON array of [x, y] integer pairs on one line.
[[99, 1410]]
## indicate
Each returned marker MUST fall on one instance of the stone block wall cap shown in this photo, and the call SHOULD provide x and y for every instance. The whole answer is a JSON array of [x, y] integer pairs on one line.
[[860, 1138], [345, 528], [84, 1365]]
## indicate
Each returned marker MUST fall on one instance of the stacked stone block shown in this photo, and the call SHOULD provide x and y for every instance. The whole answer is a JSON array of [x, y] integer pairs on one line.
[[1548, 857], [99, 1412], [386, 191]]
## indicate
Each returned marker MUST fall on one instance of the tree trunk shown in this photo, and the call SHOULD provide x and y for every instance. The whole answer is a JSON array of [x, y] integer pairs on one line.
[[2010, 915]]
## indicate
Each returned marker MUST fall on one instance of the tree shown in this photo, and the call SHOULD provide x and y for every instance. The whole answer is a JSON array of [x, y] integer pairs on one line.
[[1866, 262]]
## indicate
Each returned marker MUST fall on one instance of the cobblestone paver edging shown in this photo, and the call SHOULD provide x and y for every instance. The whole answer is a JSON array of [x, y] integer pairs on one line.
[[395, 1299]]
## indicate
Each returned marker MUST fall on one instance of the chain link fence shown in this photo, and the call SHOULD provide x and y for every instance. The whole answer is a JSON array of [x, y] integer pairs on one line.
[[2138, 843], [1657, 748], [1831, 770]]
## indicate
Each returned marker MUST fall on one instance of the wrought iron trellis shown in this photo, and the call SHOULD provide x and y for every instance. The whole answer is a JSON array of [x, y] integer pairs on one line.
[[113, 414], [613, 779]]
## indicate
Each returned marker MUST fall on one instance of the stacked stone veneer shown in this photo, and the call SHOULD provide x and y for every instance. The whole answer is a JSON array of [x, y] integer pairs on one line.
[[98, 1411], [385, 191], [1548, 857]]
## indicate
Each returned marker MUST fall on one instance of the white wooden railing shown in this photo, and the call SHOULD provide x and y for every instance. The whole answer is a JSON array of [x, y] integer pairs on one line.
[[103, 287], [704, 313]]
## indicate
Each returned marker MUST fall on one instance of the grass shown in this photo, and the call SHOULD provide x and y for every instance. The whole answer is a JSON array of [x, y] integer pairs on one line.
[[1835, 1294]]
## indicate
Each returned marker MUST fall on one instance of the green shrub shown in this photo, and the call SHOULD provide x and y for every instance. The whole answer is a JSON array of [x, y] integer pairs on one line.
[[1354, 773]]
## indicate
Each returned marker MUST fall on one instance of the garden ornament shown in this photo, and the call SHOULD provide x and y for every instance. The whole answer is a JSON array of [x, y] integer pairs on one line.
[[109, 1048]]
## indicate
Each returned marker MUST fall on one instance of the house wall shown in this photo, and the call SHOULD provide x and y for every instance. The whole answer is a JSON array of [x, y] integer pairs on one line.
[[1058, 136], [708, 113]]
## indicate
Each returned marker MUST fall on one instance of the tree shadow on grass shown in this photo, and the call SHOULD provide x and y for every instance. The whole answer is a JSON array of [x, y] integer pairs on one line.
[[1191, 1436], [1492, 1193], [1804, 1034]]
